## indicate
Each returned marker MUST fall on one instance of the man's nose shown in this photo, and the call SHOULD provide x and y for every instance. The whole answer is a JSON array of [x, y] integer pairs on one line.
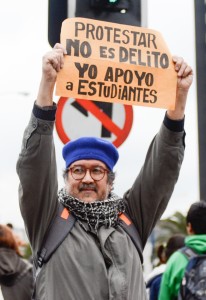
[[87, 177]]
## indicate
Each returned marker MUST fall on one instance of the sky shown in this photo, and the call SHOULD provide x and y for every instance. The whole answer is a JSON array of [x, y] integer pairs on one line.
[[23, 32]]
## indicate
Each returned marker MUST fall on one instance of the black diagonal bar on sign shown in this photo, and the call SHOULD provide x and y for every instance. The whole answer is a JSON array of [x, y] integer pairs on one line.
[[107, 108], [81, 109]]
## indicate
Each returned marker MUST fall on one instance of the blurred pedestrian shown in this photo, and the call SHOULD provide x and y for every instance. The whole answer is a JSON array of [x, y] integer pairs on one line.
[[174, 243], [16, 275], [196, 241]]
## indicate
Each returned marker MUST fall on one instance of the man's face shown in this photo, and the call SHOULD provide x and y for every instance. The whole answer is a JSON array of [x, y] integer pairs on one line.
[[87, 189]]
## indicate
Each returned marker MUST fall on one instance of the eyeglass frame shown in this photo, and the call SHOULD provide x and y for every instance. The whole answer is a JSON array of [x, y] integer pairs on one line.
[[90, 169]]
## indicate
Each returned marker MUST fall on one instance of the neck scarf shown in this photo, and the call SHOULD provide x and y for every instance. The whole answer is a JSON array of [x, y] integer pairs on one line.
[[97, 213]]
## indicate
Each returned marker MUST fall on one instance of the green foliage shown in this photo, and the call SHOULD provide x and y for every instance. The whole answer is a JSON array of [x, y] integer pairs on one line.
[[165, 228], [170, 226]]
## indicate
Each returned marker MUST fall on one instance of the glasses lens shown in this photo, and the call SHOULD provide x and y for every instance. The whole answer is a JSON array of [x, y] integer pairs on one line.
[[97, 173], [78, 172]]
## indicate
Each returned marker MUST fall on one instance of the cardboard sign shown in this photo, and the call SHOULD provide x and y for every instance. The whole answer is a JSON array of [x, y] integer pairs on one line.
[[116, 63]]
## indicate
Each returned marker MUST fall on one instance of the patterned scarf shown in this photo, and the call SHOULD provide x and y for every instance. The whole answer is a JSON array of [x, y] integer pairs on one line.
[[97, 213]]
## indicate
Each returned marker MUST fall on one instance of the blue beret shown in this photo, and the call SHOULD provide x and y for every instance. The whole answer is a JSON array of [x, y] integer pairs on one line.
[[90, 148]]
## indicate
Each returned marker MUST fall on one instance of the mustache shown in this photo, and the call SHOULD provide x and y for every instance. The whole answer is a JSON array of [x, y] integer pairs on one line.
[[85, 186]]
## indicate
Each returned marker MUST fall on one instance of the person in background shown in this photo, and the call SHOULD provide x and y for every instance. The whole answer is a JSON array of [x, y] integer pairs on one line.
[[16, 274], [97, 260], [174, 243], [196, 240], [24, 246], [19, 240]]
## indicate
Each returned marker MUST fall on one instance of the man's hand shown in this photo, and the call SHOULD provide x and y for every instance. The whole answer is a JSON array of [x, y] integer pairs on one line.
[[184, 81], [52, 63], [184, 74]]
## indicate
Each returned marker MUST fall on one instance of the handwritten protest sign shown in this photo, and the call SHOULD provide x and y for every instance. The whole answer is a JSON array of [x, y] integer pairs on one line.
[[116, 63]]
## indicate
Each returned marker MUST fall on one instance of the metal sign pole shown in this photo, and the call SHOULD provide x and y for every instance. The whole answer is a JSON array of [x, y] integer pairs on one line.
[[200, 28]]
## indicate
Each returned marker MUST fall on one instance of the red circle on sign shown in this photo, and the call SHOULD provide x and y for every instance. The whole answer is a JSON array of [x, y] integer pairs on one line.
[[121, 133]]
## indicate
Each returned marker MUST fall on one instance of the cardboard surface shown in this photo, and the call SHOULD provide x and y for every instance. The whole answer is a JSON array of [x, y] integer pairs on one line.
[[116, 63]]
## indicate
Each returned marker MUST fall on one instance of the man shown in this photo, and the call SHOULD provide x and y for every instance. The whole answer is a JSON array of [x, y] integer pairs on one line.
[[196, 229], [97, 260]]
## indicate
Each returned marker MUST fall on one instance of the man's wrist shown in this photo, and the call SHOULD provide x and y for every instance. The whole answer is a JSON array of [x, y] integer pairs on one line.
[[174, 125], [46, 113]]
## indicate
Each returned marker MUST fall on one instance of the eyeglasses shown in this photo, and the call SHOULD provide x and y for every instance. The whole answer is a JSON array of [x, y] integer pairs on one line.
[[97, 172]]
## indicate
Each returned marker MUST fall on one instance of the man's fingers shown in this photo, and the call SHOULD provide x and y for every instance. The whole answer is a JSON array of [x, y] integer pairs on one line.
[[56, 58], [178, 61], [60, 56], [60, 46], [181, 67], [184, 70], [55, 63], [187, 71]]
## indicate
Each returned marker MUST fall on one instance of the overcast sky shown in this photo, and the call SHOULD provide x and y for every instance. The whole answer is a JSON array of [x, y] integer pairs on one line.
[[23, 32]]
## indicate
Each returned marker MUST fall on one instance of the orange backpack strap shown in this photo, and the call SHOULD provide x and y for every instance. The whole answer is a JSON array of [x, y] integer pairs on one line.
[[59, 229], [131, 230]]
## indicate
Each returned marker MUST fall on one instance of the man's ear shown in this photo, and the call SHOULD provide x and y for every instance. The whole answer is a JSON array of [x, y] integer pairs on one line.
[[190, 231], [111, 187]]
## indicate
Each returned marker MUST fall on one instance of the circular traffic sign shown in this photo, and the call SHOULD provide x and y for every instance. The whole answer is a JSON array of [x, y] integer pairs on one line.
[[76, 118]]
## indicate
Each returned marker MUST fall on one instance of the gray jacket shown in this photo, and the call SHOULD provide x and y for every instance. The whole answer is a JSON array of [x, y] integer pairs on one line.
[[86, 266]]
